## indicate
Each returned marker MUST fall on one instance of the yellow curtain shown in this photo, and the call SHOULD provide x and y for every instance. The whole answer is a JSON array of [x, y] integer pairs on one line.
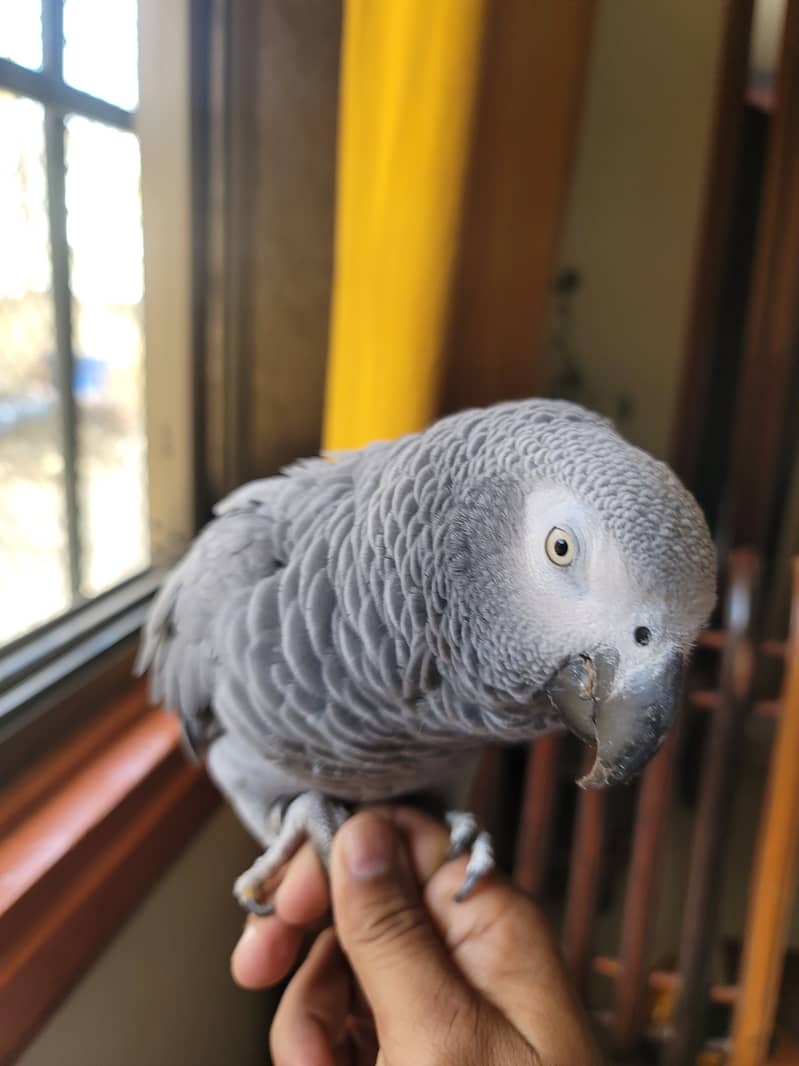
[[409, 84]]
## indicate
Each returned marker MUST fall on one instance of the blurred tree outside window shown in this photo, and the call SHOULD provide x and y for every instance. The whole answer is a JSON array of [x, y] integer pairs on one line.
[[73, 477]]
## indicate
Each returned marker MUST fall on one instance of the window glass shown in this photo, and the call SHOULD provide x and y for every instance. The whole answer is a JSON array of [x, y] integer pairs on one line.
[[21, 32], [105, 240], [101, 50], [34, 582]]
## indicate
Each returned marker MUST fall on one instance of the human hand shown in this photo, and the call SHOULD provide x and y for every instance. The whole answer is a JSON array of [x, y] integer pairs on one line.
[[431, 981]]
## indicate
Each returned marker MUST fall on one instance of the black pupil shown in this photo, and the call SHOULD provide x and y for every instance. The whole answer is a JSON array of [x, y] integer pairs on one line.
[[561, 547], [642, 635]]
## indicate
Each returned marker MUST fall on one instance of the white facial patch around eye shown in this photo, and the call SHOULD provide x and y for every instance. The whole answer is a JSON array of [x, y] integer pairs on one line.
[[552, 515]]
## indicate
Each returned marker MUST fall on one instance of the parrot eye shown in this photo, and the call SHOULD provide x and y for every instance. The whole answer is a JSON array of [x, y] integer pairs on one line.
[[560, 547], [642, 636]]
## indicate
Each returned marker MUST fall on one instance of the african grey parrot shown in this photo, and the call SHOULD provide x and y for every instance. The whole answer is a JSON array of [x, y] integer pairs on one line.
[[356, 628]]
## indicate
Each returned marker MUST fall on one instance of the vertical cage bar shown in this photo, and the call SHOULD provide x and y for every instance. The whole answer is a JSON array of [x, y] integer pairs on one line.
[[640, 901], [536, 825], [774, 881], [699, 926], [486, 798], [53, 53], [584, 873]]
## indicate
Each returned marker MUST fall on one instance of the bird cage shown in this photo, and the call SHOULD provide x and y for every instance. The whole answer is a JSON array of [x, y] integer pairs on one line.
[[681, 1012]]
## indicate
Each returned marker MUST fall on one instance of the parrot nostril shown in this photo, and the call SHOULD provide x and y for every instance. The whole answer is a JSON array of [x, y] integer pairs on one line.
[[642, 636]]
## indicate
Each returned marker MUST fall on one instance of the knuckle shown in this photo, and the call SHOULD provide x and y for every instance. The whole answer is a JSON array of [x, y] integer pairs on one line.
[[492, 1038], [504, 929], [385, 926], [457, 1029], [471, 1033], [513, 926]]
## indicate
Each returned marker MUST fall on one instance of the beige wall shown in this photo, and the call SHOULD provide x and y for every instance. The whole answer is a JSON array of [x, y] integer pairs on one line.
[[636, 196], [161, 993], [769, 19]]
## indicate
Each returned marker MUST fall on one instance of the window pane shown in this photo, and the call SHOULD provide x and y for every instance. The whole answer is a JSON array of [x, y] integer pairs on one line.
[[21, 32], [101, 49], [105, 238], [33, 568]]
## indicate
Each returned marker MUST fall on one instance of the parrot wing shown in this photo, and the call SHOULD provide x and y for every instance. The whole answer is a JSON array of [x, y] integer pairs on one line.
[[245, 545], [242, 634]]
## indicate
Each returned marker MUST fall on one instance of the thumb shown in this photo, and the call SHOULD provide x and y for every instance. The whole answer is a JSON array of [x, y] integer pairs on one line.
[[409, 981]]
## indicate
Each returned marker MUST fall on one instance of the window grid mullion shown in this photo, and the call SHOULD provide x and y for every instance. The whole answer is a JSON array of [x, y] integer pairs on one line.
[[53, 38], [62, 301], [54, 92], [53, 66]]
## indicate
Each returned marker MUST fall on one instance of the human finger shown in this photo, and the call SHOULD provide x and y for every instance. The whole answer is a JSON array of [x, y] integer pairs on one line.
[[310, 1022], [502, 945], [415, 993], [269, 946], [303, 896]]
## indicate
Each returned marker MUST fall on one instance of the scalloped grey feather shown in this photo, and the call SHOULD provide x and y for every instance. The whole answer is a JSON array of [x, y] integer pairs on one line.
[[361, 624]]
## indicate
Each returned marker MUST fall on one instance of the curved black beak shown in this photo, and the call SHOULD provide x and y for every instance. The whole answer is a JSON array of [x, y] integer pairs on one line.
[[628, 723]]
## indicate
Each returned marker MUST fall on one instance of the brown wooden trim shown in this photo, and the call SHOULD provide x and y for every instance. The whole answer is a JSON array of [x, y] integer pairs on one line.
[[770, 648], [772, 327], [710, 699], [641, 895], [535, 59], [52, 771], [86, 835], [712, 821], [763, 99], [537, 822], [774, 649], [661, 980], [49, 719], [773, 886], [584, 875], [716, 234], [269, 233]]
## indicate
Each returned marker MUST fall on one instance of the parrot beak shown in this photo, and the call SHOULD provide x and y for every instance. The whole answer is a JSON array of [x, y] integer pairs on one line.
[[627, 724]]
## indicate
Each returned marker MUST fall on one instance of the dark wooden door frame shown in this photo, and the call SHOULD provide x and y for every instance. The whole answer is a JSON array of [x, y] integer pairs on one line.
[[766, 352], [772, 328], [715, 241]]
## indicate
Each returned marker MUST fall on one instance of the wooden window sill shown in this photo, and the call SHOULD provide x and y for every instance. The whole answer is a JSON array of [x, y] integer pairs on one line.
[[83, 836]]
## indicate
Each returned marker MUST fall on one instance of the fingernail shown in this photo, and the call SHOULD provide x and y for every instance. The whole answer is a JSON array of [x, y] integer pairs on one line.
[[249, 931], [248, 934], [368, 847]]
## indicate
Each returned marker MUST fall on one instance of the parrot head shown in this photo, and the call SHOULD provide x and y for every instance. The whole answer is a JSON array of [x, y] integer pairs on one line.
[[627, 599], [591, 571]]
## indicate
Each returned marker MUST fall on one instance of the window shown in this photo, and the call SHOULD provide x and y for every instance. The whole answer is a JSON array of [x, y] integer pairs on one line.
[[95, 795], [76, 497]]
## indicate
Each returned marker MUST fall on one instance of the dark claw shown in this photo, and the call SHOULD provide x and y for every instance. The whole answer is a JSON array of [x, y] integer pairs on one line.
[[263, 910], [466, 888]]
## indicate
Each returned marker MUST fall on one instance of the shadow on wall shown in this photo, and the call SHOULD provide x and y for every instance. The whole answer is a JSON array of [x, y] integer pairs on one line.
[[162, 992], [631, 226]]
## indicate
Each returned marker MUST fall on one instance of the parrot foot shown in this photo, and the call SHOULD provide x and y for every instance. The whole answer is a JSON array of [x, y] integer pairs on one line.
[[310, 816], [465, 835]]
